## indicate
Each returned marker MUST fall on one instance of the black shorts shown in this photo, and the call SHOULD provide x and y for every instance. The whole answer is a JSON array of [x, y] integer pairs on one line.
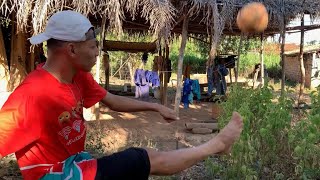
[[131, 164]]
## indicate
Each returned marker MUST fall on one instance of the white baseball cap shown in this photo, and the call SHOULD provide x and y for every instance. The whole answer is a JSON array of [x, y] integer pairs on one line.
[[67, 25]]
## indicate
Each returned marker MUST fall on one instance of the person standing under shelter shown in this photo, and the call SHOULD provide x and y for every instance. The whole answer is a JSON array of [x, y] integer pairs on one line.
[[219, 80], [42, 120]]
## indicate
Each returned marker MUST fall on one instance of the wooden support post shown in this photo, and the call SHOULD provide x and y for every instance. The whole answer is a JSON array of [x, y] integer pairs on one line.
[[238, 61], [106, 62], [161, 73], [98, 64], [230, 74], [235, 74], [161, 87], [180, 63], [32, 59], [302, 68], [166, 76], [261, 61], [283, 40]]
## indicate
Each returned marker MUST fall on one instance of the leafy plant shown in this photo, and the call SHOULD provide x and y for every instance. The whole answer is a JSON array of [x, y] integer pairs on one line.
[[271, 146]]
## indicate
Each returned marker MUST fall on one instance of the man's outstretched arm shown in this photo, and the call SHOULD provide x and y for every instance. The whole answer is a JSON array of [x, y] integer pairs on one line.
[[124, 104]]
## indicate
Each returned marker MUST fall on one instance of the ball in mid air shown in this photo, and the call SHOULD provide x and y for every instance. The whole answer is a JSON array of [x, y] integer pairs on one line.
[[253, 18]]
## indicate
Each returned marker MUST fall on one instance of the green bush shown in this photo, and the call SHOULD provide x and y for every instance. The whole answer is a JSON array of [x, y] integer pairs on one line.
[[270, 147]]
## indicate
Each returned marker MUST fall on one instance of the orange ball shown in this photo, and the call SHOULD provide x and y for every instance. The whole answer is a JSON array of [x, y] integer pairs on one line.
[[253, 18]]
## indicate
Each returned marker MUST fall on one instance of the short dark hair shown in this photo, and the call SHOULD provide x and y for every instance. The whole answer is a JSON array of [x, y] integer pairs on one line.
[[54, 43]]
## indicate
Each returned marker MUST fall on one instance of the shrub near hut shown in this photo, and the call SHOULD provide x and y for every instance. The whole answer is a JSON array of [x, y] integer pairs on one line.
[[270, 147]]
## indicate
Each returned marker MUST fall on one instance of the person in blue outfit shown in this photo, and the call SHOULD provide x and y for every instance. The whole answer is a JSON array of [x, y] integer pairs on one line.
[[219, 73]]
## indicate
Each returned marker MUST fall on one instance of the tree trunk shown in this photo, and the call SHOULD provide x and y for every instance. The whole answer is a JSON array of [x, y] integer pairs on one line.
[[302, 68], [261, 61], [17, 58], [238, 61], [283, 40], [130, 67], [4, 71], [213, 52], [180, 63]]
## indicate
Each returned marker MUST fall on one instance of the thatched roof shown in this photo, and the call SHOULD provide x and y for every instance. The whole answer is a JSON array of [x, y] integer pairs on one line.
[[160, 17]]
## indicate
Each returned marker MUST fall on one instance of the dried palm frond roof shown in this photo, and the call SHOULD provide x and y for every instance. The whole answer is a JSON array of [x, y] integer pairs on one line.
[[204, 11], [159, 13], [160, 17]]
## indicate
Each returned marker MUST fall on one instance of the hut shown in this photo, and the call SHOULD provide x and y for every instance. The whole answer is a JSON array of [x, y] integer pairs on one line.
[[311, 59], [202, 19]]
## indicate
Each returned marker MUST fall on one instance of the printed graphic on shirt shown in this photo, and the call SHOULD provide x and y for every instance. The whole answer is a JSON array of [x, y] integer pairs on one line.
[[64, 117], [65, 132], [76, 125], [72, 124]]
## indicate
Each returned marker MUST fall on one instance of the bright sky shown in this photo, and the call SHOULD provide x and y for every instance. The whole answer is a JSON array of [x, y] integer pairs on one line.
[[309, 35]]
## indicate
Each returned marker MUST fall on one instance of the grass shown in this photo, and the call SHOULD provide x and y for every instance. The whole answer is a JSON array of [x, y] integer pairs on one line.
[[249, 60]]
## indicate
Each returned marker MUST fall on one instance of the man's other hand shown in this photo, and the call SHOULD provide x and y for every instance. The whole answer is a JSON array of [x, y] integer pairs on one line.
[[167, 113]]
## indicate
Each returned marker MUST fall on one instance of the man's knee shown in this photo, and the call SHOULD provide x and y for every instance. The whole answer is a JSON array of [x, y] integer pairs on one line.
[[159, 162], [132, 163]]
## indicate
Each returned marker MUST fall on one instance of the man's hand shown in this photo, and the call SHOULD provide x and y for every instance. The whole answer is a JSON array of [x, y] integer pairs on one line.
[[167, 113]]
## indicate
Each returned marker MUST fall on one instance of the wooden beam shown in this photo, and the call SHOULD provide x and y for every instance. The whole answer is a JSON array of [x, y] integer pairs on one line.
[[133, 47], [180, 19], [305, 28]]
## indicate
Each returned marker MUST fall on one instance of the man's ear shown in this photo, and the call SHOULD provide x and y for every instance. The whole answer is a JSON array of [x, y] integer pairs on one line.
[[71, 50]]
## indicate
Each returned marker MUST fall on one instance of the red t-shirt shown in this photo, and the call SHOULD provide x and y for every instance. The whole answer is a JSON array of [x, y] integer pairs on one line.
[[42, 121]]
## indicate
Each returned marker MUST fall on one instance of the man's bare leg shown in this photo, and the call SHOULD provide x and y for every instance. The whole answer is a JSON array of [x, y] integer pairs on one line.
[[167, 163]]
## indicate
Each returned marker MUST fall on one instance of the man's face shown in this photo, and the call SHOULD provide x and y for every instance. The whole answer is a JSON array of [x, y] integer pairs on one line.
[[84, 54]]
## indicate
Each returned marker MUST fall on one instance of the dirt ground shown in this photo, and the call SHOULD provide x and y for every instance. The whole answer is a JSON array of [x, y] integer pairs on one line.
[[148, 129], [118, 131]]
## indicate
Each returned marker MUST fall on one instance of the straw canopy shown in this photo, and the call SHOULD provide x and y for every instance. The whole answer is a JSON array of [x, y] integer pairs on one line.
[[159, 17]]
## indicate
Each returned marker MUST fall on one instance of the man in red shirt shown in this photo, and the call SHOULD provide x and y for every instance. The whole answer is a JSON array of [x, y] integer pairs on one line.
[[42, 121]]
